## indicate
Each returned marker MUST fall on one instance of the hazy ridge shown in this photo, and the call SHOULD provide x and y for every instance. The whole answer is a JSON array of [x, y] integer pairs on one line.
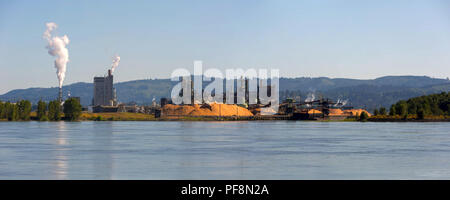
[[369, 94]]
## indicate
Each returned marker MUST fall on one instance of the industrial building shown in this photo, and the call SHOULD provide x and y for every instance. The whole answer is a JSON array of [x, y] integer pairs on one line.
[[104, 91]]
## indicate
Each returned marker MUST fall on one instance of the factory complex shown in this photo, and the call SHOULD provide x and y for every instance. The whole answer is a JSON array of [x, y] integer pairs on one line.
[[105, 101]]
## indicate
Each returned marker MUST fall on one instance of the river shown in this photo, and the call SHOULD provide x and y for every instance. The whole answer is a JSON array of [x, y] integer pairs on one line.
[[224, 150]]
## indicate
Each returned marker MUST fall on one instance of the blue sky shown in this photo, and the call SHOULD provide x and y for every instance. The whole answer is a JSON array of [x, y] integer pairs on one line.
[[349, 39]]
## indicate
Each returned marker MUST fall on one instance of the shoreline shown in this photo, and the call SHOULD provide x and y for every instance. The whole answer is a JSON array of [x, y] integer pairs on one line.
[[147, 117]]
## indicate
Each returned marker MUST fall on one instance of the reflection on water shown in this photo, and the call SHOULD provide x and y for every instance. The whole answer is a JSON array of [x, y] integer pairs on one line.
[[60, 150], [95, 146], [224, 150]]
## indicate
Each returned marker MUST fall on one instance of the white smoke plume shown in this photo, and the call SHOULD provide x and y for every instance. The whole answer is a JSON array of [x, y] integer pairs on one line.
[[115, 63], [337, 103], [344, 102], [341, 103], [57, 47], [310, 97]]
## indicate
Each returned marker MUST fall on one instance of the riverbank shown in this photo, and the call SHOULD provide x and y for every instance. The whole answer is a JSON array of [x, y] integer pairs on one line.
[[125, 116], [119, 116], [409, 118], [146, 117]]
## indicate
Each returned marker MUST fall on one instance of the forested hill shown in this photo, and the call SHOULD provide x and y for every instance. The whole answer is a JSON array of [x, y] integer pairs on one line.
[[435, 104], [367, 94]]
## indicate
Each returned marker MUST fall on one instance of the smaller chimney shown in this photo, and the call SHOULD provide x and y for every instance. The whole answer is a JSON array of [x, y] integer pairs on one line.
[[109, 72], [60, 95]]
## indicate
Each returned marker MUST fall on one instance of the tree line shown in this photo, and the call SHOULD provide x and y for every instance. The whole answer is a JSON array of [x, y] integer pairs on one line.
[[21, 110], [434, 104], [15, 111]]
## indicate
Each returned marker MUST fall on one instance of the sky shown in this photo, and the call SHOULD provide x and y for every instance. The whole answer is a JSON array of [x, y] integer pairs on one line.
[[337, 39]]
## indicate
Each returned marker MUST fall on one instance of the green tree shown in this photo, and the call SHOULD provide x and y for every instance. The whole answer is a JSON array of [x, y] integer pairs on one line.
[[375, 112], [12, 111], [24, 107], [5, 111], [2, 108], [392, 111], [41, 111], [420, 114], [382, 111], [401, 108], [54, 110], [72, 109], [15, 112], [363, 116]]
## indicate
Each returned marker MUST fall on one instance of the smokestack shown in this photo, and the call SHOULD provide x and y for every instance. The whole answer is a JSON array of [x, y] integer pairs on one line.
[[60, 95], [109, 72]]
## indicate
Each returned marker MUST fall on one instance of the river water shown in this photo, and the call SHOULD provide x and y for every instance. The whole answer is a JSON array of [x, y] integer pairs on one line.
[[224, 150]]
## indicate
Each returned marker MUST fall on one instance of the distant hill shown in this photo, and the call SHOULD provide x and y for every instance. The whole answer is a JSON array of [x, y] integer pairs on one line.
[[368, 94]]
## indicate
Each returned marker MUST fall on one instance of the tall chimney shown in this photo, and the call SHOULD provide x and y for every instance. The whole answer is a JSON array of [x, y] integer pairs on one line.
[[109, 72], [60, 95]]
